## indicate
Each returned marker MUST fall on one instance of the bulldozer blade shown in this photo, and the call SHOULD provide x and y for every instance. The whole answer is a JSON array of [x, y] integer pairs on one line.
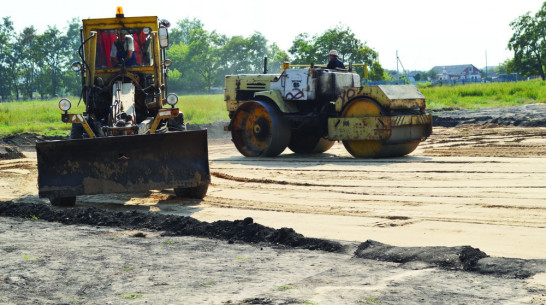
[[122, 164]]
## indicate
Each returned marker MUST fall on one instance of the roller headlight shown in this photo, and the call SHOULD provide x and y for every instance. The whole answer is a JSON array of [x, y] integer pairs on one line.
[[172, 99], [65, 104]]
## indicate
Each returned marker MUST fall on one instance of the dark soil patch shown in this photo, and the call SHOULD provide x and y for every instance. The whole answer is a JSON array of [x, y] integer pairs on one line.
[[532, 115], [464, 258], [233, 231]]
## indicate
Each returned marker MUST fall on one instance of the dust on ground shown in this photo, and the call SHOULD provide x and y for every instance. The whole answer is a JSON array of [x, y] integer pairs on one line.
[[124, 253]]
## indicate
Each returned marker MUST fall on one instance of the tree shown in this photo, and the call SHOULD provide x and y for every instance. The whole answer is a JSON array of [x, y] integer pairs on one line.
[[27, 60], [304, 50], [53, 54], [307, 50], [70, 79], [529, 43], [6, 58], [182, 32], [276, 58]]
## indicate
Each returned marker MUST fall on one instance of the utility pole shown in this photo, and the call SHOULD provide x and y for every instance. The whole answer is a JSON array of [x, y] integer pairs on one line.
[[486, 66], [399, 61]]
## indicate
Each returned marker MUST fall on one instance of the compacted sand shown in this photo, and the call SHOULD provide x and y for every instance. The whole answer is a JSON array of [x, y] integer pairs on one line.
[[462, 220]]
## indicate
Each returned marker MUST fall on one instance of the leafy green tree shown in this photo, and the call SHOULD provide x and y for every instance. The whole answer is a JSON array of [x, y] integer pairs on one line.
[[431, 75], [203, 54], [257, 50], [234, 57], [7, 73], [177, 54], [71, 80], [307, 50], [53, 54], [276, 57], [507, 67], [304, 50], [529, 43], [182, 32], [27, 58]]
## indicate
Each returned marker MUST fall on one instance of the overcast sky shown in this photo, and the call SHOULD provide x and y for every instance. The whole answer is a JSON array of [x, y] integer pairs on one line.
[[425, 33]]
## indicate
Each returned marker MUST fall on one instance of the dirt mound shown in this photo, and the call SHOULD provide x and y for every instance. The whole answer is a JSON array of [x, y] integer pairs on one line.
[[532, 115], [457, 258], [464, 258], [233, 231]]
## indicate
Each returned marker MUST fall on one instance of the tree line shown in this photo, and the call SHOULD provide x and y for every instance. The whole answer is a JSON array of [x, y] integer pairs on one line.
[[36, 64]]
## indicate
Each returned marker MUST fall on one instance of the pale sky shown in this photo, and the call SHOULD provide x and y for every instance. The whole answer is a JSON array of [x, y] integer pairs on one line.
[[425, 33]]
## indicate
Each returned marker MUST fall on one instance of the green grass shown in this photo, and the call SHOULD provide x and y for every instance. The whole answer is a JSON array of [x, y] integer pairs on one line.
[[44, 117], [199, 109], [476, 96], [132, 296]]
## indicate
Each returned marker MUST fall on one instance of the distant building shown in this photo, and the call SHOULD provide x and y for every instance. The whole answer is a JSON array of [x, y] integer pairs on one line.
[[458, 74]]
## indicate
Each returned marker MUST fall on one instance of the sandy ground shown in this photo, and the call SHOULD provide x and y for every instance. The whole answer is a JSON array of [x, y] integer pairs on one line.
[[477, 185]]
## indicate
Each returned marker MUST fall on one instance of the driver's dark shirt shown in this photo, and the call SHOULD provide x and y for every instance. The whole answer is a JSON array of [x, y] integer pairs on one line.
[[335, 63]]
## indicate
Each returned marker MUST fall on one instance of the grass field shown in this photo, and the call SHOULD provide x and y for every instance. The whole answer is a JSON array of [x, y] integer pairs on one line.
[[44, 117], [475, 96]]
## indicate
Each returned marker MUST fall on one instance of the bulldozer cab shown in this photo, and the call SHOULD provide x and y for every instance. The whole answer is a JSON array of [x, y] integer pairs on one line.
[[121, 55], [114, 46]]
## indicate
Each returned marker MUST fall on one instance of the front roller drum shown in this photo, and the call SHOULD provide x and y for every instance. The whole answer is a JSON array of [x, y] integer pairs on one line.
[[258, 129], [373, 148], [376, 149]]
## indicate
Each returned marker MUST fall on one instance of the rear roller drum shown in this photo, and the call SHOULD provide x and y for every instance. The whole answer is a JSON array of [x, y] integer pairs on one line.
[[372, 148], [258, 129]]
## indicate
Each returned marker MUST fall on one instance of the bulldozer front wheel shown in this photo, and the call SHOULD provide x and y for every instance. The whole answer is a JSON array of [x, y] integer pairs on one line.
[[258, 129], [372, 148], [63, 201], [196, 192]]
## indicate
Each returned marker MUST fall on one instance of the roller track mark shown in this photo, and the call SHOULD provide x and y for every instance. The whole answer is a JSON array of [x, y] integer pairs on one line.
[[265, 181], [382, 222], [27, 164], [511, 207], [222, 202]]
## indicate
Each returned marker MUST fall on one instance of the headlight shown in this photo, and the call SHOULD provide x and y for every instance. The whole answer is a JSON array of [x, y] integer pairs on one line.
[[172, 99], [65, 104], [76, 66], [167, 62]]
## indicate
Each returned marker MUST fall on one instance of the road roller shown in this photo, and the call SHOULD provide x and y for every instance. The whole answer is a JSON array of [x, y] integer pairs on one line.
[[308, 108]]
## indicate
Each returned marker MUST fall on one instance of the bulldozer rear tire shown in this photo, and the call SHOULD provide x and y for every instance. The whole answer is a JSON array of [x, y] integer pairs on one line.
[[63, 201], [196, 192]]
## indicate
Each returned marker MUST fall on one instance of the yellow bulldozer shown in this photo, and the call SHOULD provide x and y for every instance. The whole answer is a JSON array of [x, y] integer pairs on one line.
[[308, 108], [131, 137]]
